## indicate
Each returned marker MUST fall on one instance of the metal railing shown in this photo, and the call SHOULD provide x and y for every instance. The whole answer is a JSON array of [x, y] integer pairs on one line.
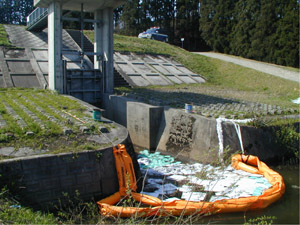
[[37, 15]]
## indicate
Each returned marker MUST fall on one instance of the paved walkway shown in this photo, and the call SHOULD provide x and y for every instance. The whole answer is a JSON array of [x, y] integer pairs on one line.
[[260, 66]]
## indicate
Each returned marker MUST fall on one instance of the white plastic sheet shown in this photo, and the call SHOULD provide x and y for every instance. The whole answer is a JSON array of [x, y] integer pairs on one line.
[[194, 181]]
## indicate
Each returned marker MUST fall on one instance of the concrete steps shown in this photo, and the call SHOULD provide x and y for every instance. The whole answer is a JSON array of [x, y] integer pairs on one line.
[[119, 80], [87, 44]]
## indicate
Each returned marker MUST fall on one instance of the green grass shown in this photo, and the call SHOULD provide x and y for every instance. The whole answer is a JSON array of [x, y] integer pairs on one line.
[[3, 37], [52, 137], [224, 79], [11, 212]]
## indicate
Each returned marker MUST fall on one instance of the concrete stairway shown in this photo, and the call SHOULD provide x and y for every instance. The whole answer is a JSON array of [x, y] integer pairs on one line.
[[119, 81], [87, 44]]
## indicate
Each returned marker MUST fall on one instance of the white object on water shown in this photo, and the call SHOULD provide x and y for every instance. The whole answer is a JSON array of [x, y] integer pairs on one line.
[[177, 178], [193, 196], [185, 188], [224, 182], [171, 199], [296, 101]]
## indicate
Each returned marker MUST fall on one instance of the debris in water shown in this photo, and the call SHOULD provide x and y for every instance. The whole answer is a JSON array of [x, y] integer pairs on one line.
[[169, 179]]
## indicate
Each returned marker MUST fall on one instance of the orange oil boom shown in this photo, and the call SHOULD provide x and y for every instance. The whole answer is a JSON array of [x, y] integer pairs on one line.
[[156, 207]]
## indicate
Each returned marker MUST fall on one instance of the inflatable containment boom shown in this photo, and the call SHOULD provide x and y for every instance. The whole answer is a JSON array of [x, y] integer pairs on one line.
[[152, 206]]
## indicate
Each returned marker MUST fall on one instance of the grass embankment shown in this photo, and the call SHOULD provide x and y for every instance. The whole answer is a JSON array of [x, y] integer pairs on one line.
[[3, 37], [224, 79], [47, 124]]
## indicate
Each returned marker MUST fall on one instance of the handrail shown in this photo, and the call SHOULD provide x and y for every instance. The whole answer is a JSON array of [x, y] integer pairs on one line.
[[36, 15]]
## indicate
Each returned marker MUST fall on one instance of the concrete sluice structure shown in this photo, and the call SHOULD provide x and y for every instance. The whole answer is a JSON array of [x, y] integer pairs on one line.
[[52, 59], [28, 66]]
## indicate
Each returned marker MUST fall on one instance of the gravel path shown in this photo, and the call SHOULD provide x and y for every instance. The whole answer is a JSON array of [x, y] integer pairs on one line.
[[260, 66]]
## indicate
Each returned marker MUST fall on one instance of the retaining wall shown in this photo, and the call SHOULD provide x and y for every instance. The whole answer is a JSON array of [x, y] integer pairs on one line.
[[42, 179], [190, 136]]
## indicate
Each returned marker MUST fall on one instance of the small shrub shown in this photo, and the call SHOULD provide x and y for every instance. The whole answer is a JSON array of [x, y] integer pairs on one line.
[[288, 139]]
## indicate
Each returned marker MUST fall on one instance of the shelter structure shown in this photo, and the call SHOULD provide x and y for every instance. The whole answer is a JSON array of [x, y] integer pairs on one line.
[[103, 29]]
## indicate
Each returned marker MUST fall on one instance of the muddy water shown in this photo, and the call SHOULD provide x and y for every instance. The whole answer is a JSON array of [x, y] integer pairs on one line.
[[286, 210]]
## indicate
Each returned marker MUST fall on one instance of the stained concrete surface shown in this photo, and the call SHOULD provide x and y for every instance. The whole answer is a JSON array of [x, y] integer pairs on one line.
[[186, 135]]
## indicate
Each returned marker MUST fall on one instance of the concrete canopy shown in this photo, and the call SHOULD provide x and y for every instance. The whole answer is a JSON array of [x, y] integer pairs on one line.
[[75, 5]]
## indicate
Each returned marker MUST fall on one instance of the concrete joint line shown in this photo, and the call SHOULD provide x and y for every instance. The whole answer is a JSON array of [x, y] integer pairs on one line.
[[36, 68], [143, 74], [5, 72]]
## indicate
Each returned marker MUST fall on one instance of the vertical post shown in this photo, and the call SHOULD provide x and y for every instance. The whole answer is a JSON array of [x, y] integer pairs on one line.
[[55, 76], [65, 76], [104, 45], [108, 41], [81, 35], [98, 44]]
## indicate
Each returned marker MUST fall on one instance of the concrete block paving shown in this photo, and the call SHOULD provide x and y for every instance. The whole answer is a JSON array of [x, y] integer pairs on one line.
[[32, 109], [13, 113], [208, 106]]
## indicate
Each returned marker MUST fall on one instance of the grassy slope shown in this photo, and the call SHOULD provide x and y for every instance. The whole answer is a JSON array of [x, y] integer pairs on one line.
[[223, 78], [3, 37]]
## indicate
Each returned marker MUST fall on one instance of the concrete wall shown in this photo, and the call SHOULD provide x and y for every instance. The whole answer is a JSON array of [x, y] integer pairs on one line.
[[190, 136], [143, 123], [43, 179]]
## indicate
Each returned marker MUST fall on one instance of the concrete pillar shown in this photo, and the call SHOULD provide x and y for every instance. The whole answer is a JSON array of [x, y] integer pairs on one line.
[[98, 31], [104, 44], [55, 71]]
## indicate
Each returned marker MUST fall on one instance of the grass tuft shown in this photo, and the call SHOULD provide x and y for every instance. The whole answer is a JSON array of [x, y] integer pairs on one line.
[[3, 37]]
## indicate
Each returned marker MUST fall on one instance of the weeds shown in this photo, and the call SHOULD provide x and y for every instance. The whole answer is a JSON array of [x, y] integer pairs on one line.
[[73, 210], [11, 212], [285, 134], [288, 140], [262, 220]]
